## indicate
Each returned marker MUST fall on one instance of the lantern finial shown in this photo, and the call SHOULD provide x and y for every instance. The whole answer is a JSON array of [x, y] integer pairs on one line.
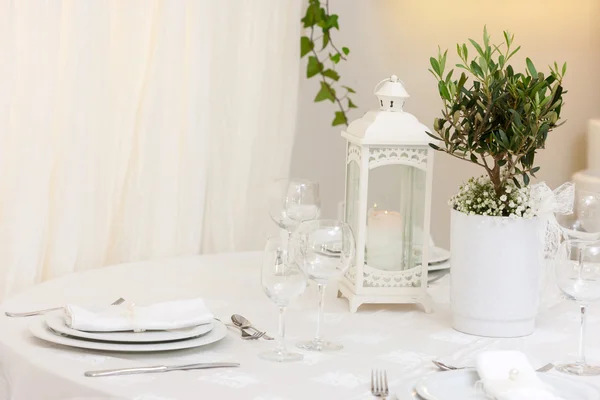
[[391, 94]]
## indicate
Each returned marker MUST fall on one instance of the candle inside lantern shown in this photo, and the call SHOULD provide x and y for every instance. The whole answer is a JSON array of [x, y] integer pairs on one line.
[[384, 239]]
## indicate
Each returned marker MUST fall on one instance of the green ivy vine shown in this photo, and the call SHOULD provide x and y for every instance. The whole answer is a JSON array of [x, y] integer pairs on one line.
[[322, 62]]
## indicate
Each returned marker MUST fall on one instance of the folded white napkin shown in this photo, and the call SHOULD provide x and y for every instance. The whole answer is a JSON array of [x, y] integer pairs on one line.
[[507, 375], [130, 317]]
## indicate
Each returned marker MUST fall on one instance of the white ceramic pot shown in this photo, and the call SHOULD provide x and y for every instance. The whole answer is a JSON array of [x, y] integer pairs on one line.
[[496, 274]]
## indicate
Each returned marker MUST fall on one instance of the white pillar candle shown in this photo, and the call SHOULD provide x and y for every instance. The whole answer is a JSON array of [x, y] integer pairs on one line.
[[384, 239]]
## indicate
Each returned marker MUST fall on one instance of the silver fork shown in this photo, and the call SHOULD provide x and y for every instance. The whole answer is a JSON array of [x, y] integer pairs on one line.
[[379, 383], [38, 312], [254, 336]]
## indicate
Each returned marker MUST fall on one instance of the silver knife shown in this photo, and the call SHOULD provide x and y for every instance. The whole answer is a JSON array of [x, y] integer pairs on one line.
[[158, 368]]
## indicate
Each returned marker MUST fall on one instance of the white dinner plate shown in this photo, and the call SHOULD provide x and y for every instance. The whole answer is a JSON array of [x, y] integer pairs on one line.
[[433, 276], [460, 385], [438, 256], [56, 321], [40, 330]]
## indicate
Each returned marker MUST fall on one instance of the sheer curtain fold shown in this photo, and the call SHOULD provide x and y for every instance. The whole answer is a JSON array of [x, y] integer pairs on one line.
[[254, 119], [139, 129]]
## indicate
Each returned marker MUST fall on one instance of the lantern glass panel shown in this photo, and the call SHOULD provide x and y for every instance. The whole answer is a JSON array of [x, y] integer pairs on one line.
[[352, 194], [395, 217]]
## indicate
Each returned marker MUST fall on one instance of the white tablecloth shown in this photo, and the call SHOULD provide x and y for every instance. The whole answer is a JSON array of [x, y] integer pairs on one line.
[[401, 339]]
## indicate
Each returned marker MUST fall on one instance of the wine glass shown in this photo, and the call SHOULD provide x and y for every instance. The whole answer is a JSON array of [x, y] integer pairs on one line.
[[584, 224], [282, 280], [292, 201], [588, 211], [578, 276], [327, 249]]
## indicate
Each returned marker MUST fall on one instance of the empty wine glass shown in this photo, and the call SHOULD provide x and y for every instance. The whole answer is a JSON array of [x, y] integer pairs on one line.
[[282, 280], [588, 211], [327, 249], [584, 224], [578, 276], [292, 201]]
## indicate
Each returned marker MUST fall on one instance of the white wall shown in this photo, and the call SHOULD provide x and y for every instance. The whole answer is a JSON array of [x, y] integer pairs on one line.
[[398, 36]]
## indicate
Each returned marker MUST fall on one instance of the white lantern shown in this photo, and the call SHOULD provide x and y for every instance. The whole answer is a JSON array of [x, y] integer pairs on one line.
[[389, 171]]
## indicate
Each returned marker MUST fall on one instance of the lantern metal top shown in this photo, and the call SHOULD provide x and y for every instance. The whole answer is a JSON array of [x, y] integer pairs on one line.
[[390, 125], [391, 94]]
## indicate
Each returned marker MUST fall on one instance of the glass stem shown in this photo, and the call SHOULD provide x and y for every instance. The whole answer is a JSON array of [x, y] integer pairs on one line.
[[581, 360], [580, 260], [288, 246], [281, 344], [320, 316]]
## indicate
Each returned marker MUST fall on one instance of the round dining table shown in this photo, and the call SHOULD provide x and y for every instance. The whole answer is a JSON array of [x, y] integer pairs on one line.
[[401, 339]]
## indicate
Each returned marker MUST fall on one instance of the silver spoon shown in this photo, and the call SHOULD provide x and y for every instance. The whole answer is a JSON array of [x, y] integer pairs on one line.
[[244, 323], [446, 367]]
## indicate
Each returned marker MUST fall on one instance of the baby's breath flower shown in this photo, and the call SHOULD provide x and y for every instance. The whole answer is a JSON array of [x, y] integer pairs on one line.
[[478, 197]]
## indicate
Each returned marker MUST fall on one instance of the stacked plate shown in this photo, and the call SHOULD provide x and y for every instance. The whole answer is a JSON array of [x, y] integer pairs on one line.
[[53, 328], [438, 264], [461, 385]]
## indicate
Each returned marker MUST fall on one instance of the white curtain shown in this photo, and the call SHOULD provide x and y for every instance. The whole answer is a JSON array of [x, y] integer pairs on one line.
[[139, 129]]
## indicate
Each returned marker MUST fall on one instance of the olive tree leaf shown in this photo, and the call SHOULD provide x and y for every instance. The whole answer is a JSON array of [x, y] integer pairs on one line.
[[531, 67], [435, 65], [477, 47]]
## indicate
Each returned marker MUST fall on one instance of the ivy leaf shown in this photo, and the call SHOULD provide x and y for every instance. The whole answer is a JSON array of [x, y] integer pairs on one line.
[[312, 16], [326, 93], [326, 39], [313, 67], [306, 46], [346, 50], [351, 104], [331, 74], [332, 22], [335, 57], [340, 119], [349, 89]]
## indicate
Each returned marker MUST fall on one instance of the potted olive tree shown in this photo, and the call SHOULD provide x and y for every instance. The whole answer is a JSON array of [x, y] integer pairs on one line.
[[497, 118]]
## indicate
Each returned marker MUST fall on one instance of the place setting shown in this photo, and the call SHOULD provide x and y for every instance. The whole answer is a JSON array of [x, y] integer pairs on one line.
[[127, 327], [501, 375]]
